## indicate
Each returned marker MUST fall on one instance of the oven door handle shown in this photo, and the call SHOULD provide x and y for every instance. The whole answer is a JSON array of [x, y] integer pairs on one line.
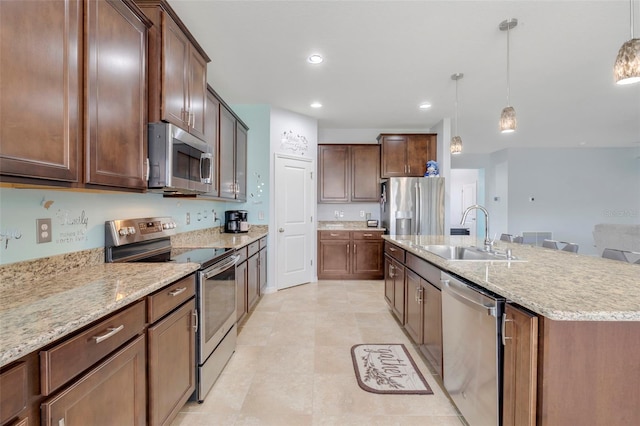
[[223, 266]]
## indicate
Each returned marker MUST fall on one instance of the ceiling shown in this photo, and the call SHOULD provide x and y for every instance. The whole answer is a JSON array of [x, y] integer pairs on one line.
[[383, 58]]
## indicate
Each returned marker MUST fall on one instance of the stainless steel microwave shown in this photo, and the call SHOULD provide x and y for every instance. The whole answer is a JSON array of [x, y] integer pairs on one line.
[[179, 163]]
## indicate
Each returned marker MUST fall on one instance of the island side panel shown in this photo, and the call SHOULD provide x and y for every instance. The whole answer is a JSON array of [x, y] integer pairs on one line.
[[589, 373]]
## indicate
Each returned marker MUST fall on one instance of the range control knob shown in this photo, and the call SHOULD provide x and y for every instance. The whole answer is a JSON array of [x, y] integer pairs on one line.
[[173, 225], [165, 225], [132, 230], [123, 232]]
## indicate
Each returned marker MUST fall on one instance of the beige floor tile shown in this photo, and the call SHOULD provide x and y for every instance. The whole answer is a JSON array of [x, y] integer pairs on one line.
[[333, 360], [279, 394], [286, 359], [292, 365]]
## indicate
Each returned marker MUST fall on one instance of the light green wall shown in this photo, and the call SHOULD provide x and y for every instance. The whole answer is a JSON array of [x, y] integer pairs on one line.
[[78, 217]]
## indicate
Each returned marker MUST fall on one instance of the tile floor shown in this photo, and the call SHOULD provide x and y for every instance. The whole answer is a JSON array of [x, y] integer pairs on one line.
[[292, 365]]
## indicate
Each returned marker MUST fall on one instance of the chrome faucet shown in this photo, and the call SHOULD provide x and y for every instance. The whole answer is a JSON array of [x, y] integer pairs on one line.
[[487, 242]]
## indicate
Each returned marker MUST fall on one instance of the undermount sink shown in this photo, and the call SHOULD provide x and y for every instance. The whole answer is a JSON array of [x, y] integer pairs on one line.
[[334, 225], [466, 253]]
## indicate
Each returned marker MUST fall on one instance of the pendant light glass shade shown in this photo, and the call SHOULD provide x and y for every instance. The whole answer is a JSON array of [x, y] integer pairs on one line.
[[456, 141], [627, 67], [456, 145], [508, 122]]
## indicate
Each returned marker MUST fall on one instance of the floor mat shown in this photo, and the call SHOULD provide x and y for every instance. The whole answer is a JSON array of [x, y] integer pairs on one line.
[[387, 368]]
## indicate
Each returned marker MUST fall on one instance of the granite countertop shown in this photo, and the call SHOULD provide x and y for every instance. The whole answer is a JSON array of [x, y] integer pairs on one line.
[[556, 284], [345, 225], [80, 289], [32, 316], [213, 238]]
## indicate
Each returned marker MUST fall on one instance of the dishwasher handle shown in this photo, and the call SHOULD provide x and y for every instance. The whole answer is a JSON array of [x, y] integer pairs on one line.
[[460, 296]]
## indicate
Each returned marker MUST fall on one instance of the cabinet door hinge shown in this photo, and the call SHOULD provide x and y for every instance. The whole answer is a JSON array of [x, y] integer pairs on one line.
[[311, 173]]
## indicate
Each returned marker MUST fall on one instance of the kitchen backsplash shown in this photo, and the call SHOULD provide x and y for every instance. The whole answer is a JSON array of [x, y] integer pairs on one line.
[[77, 218]]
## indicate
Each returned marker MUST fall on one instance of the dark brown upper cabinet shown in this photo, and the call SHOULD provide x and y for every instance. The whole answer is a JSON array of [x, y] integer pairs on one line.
[[177, 70], [348, 173], [405, 155]]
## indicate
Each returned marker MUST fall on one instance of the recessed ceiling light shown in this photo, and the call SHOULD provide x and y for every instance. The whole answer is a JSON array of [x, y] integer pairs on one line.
[[315, 59], [316, 105], [424, 105]]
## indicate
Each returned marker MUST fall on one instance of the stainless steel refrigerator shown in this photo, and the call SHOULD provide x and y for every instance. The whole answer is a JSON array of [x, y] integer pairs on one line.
[[413, 206]]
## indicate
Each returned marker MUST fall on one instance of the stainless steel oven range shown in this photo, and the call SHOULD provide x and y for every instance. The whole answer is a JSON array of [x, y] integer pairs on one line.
[[148, 240]]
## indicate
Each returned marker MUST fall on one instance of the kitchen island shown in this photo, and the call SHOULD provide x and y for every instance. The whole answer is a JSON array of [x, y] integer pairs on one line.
[[586, 367]]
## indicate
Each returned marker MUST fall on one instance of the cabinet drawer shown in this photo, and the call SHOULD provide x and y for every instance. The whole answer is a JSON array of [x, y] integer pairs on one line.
[[242, 252], [366, 235], [263, 242], [13, 383], [253, 248], [334, 235], [66, 360], [423, 268], [394, 251], [164, 301]]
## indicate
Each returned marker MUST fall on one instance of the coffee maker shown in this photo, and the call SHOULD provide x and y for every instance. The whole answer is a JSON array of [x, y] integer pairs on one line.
[[235, 221]]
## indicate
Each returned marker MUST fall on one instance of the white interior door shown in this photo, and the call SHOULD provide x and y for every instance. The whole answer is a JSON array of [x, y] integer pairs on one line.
[[469, 199], [294, 198]]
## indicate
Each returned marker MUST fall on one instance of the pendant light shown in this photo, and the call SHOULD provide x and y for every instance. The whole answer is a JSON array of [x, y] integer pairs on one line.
[[627, 67], [508, 121], [456, 141]]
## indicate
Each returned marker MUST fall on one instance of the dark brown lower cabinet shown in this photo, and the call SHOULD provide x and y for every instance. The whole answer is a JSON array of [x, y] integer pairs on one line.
[[413, 308], [114, 392], [241, 290], [431, 346], [520, 367], [171, 363], [356, 255], [394, 287]]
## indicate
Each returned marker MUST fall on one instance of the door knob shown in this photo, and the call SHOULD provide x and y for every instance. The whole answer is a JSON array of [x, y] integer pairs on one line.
[[281, 230]]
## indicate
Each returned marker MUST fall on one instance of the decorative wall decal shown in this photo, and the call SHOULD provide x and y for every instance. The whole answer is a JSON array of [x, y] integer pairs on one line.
[[293, 143], [46, 203], [10, 234], [74, 228], [257, 193]]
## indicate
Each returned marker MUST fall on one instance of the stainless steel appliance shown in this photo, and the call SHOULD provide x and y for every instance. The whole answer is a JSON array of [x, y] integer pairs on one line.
[[472, 350], [148, 240], [413, 206], [179, 162], [235, 221]]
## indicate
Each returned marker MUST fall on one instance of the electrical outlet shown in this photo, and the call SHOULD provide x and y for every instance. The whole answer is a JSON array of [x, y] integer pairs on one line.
[[261, 215], [43, 231], [188, 218], [341, 213], [361, 213], [336, 214], [215, 216]]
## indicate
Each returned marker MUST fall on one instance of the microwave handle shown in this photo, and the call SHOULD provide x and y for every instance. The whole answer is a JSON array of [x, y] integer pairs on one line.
[[207, 158]]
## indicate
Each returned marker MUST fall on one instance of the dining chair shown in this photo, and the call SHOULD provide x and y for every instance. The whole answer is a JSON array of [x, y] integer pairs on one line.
[[506, 237], [552, 244], [571, 247], [518, 239], [614, 254]]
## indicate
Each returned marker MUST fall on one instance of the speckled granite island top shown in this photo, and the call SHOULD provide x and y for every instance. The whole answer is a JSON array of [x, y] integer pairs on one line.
[[556, 284], [214, 238], [32, 316]]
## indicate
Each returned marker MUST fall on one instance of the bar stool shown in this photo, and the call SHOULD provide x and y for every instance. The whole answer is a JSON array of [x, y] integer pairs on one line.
[[614, 254], [571, 247], [518, 239], [506, 237], [552, 244]]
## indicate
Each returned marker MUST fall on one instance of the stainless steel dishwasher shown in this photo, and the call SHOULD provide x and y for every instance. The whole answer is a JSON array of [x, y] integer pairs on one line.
[[472, 353]]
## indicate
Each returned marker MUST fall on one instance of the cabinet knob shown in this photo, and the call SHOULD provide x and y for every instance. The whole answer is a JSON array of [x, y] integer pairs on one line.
[[281, 230]]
